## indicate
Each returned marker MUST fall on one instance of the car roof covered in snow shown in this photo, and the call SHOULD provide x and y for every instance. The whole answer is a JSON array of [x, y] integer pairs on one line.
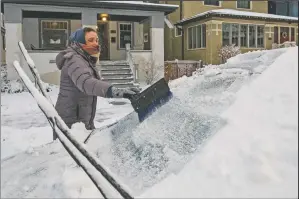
[[128, 5], [230, 13]]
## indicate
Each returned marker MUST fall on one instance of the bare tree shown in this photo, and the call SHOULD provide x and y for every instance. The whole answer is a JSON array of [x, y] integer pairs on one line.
[[151, 70]]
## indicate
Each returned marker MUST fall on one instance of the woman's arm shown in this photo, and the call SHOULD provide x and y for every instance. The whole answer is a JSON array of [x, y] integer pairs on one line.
[[84, 80]]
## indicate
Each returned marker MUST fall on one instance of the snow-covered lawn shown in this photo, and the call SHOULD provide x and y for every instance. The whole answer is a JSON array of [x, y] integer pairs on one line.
[[24, 126], [228, 132]]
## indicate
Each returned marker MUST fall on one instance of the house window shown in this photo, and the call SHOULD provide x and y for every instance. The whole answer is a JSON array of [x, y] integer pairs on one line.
[[245, 4], [243, 35], [145, 38], [203, 29], [225, 34], [292, 34], [54, 34], [197, 36], [235, 34], [177, 32], [3, 42], [281, 8], [125, 34], [293, 9], [252, 37], [260, 36], [212, 2]]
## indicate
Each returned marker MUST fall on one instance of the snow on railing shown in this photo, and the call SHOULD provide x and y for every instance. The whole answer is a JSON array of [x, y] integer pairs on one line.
[[77, 150], [129, 59]]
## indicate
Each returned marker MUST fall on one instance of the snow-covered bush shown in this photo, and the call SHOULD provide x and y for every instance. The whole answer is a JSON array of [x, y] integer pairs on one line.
[[10, 86], [15, 86], [227, 52], [286, 44]]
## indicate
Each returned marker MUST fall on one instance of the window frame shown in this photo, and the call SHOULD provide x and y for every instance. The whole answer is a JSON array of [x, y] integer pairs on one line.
[[190, 28], [145, 38], [41, 31], [250, 5], [247, 35], [211, 4], [176, 32], [125, 23]]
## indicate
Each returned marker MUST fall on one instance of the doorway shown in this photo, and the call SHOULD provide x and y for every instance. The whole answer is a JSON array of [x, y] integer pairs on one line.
[[103, 40]]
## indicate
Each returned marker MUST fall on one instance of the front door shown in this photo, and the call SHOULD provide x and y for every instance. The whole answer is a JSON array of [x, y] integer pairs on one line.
[[284, 34], [103, 40]]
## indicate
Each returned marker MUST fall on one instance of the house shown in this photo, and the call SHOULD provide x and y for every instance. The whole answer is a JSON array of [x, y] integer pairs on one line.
[[283, 7], [203, 27], [2, 40], [44, 26]]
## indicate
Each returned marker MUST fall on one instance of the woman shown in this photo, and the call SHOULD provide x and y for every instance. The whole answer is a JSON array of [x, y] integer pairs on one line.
[[80, 83]]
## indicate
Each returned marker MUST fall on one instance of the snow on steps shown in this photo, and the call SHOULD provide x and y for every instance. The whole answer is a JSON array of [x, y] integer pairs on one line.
[[117, 73]]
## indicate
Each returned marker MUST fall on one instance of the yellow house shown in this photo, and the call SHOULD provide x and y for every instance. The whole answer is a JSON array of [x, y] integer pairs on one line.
[[203, 27]]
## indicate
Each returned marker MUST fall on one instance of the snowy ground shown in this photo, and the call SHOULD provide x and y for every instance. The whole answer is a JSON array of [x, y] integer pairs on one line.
[[254, 150]]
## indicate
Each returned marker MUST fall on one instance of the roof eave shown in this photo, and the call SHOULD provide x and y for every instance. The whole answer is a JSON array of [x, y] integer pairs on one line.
[[92, 4], [181, 23]]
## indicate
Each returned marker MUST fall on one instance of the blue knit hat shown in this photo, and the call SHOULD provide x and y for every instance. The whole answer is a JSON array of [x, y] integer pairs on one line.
[[78, 36]]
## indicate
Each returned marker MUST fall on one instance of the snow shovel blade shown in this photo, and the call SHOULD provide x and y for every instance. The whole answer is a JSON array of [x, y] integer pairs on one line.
[[151, 98]]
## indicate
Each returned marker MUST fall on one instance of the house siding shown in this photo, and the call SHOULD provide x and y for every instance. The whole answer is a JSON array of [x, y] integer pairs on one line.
[[173, 44], [209, 55], [214, 38], [191, 8]]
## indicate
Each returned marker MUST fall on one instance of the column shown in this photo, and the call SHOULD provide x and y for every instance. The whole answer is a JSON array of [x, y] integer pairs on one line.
[[213, 41], [13, 26], [157, 39], [269, 36], [89, 18]]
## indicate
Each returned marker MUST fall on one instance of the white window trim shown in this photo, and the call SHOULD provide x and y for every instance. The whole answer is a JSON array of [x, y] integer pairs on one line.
[[239, 38], [176, 32], [192, 38], [220, 4], [244, 8], [52, 20], [119, 34]]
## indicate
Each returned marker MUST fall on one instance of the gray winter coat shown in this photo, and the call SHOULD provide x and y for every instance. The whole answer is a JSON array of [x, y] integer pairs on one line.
[[80, 85]]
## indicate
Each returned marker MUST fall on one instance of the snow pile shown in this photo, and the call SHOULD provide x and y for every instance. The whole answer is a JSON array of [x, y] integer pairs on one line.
[[145, 154], [140, 155], [256, 153]]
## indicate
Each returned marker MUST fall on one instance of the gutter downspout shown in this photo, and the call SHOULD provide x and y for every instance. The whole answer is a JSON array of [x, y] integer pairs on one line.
[[183, 34]]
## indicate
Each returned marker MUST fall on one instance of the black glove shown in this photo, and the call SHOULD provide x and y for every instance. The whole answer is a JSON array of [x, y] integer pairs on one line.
[[124, 92]]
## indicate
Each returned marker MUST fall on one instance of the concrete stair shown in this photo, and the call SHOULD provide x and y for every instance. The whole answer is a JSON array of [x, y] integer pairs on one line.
[[117, 73]]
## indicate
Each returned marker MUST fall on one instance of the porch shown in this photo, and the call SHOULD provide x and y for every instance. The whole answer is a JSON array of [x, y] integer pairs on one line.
[[45, 30]]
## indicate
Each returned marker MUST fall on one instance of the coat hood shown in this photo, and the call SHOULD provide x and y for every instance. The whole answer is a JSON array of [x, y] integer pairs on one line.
[[63, 56]]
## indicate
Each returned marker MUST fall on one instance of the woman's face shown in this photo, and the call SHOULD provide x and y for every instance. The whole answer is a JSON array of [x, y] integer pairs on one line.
[[91, 39]]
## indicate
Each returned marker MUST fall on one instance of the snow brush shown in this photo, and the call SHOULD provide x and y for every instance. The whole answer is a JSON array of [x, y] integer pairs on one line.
[[149, 100]]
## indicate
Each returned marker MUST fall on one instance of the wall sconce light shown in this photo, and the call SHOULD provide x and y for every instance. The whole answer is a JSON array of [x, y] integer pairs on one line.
[[104, 17]]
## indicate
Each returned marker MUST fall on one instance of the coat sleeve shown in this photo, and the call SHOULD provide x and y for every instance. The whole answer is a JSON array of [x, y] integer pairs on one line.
[[85, 81]]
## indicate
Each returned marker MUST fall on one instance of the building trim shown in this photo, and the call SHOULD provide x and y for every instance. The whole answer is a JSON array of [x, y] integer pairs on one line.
[[167, 9], [227, 14]]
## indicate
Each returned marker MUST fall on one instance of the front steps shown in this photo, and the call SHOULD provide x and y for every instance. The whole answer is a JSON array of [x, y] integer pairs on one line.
[[117, 73]]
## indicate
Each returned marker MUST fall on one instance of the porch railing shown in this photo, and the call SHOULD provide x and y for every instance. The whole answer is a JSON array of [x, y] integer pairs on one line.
[[178, 68], [129, 59]]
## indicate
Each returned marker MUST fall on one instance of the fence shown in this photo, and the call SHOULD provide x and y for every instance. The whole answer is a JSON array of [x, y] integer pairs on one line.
[[178, 68]]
